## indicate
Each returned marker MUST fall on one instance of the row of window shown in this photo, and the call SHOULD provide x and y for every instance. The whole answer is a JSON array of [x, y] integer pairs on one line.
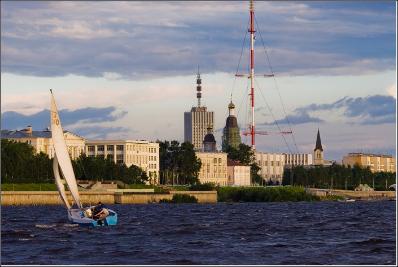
[[273, 163], [121, 148]]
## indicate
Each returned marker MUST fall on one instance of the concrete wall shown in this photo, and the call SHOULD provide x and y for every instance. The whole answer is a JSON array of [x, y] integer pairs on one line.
[[364, 195], [90, 198]]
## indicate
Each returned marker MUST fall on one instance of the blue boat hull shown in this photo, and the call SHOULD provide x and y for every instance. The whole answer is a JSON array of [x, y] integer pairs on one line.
[[76, 216]]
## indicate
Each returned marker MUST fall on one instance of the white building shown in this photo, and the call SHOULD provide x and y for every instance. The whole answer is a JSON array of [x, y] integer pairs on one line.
[[41, 141], [298, 159], [143, 154], [238, 174], [213, 168], [197, 121], [271, 166]]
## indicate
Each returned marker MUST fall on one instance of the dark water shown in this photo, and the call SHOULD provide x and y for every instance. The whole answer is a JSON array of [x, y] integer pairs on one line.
[[240, 233]]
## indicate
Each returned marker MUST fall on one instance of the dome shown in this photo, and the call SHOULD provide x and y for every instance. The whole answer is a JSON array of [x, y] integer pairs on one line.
[[231, 122], [209, 138]]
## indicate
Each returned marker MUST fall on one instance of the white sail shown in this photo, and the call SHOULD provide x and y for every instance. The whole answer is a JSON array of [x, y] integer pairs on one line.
[[62, 154], [58, 182]]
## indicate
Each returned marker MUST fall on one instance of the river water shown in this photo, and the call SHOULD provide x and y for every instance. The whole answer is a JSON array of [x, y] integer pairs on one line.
[[238, 233]]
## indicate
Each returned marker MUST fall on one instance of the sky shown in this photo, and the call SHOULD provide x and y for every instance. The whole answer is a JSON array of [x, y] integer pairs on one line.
[[127, 70]]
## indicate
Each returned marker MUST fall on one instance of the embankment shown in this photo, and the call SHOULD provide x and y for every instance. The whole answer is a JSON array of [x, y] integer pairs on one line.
[[106, 197], [357, 195]]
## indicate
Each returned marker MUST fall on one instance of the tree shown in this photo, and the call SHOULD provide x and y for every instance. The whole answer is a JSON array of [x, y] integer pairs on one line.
[[178, 163], [245, 155]]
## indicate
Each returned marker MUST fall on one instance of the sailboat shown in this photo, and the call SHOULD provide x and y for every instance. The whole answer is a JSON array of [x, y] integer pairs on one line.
[[77, 215]]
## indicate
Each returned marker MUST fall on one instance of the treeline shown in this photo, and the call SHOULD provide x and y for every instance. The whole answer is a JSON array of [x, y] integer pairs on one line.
[[19, 164], [337, 177], [178, 163]]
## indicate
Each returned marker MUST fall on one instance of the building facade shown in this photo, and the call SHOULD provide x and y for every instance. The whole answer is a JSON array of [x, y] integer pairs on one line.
[[292, 160], [231, 133], [213, 168], [376, 163], [318, 151], [271, 166], [41, 141], [143, 154], [197, 120], [238, 174]]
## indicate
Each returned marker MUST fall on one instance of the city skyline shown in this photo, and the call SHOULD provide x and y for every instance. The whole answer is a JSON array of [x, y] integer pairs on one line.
[[118, 72]]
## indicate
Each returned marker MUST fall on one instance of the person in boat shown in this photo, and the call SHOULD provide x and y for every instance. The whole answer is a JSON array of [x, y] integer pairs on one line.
[[100, 211]]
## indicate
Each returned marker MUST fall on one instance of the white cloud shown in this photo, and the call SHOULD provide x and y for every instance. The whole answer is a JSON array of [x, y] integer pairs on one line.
[[392, 90]]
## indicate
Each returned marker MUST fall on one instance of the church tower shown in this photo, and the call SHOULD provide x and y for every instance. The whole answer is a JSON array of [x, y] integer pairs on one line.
[[318, 151], [231, 135]]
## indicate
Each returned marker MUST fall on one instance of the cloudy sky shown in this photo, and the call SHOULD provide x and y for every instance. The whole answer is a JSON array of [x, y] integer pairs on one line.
[[126, 70]]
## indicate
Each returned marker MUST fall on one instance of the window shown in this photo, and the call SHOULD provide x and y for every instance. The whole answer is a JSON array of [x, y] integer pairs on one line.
[[91, 148], [119, 158], [119, 148], [100, 148], [109, 147]]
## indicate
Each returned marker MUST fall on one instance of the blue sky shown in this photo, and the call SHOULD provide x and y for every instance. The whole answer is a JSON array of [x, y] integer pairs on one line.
[[127, 69]]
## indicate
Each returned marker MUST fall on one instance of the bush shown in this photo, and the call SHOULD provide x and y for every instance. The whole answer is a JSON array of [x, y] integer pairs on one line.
[[180, 198], [202, 187], [263, 194]]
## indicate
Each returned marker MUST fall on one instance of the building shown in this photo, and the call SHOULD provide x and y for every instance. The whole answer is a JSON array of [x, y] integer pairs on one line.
[[376, 163], [318, 151], [209, 142], [213, 168], [197, 120], [238, 174], [41, 141], [231, 134], [271, 166], [143, 154], [292, 160]]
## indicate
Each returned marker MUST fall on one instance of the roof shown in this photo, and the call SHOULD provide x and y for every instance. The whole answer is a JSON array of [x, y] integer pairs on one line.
[[231, 162], [15, 134], [209, 138], [318, 144], [231, 122]]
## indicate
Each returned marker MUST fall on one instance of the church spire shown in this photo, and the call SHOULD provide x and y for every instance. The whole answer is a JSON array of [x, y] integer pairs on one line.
[[318, 144]]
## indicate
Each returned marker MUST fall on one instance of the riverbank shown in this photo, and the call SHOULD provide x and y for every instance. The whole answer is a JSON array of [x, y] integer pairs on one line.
[[9, 198]]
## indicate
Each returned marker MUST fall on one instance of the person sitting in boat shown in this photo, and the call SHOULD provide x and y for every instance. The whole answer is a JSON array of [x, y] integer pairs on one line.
[[100, 212]]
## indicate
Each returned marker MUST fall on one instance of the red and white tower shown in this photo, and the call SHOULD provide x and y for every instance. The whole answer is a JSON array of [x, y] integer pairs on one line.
[[252, 31]]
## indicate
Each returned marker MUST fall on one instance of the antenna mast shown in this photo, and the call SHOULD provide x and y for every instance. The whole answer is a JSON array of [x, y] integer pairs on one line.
[[198, 87], [252, 31]]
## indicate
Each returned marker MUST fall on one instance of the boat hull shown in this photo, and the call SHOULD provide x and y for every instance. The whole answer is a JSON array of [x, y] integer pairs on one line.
[[76, 216]]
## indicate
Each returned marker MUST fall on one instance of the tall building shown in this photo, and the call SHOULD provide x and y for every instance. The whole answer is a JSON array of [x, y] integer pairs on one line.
[[143, 154], [271, 166], [41, 141], [197, 120], [209, 142], [231, 135], [376, 163], [213, 168], [318, 151]]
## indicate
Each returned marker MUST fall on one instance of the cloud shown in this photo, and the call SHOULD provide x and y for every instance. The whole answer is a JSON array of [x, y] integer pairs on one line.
[[13, 120], [101, 132], [392, 90], [376, 109], [120, 40], [299, 118]]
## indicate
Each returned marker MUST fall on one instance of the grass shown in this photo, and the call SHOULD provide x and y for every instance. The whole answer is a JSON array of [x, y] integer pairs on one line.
[[264, 194], [29, 187]]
